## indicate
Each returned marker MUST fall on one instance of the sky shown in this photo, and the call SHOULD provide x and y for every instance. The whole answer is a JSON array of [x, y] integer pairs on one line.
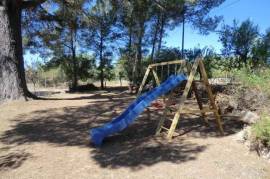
[[257, 11]]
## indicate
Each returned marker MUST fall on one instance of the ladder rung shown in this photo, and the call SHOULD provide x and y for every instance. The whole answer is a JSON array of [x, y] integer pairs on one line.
[[165, 128]]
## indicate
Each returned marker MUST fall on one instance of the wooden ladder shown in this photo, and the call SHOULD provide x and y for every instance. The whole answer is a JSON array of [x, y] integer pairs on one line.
[[198, 66]]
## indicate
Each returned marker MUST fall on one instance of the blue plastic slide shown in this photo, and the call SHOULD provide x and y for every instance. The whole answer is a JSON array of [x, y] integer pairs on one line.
[[134, 110]]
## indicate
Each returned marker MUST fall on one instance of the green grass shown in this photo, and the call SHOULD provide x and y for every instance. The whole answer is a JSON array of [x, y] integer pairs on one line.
[[257, 78], [261, 130]]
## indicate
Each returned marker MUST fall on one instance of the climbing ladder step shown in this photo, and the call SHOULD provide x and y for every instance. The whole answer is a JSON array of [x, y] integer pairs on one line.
[[165, 128]]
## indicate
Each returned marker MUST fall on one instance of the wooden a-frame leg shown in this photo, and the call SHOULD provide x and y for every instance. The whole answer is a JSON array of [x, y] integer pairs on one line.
[[143, 81], [162, 120], [182, 100], [211, 97], [165, 113]]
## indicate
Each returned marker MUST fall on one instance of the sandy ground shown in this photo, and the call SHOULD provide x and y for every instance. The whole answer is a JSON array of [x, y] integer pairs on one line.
[[49, 139]]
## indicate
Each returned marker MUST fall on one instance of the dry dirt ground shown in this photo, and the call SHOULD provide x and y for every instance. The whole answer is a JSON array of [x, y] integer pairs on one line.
[[49, 139]]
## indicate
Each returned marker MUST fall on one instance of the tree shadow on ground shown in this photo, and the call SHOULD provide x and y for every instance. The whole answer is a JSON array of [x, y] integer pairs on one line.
[[146, 151], [94, 95], [68, 126], [195, 126], [13, 160], [134, 147]]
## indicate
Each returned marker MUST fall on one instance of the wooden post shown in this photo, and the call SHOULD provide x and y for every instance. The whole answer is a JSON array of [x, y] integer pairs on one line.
[[156, 77], [211, 97], [182, 100], [197, 97], [144, 80]]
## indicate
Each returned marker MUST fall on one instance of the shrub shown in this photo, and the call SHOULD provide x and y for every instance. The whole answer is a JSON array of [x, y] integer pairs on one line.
[[261, 130], [259, 78]]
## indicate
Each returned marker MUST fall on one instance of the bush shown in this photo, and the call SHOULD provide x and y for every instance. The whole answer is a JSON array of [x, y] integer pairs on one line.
[[261, 130], [259, 78]]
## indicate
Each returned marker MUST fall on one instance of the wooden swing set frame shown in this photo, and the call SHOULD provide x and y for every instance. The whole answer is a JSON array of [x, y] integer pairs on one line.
[[197, 67]]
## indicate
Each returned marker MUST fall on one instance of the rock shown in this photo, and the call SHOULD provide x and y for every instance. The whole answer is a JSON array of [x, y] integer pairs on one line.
[[244, 135], [249, 117]]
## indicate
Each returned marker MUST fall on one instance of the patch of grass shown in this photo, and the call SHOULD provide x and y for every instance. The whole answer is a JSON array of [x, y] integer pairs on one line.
[[261, 130], [259, 79]]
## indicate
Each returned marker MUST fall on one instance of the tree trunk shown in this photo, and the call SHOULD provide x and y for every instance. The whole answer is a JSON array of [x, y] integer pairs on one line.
[[75, 71], [131, 60], [101, 62], [155, 38], [12, 74], [138, 60], [161, 33], [74, 60]]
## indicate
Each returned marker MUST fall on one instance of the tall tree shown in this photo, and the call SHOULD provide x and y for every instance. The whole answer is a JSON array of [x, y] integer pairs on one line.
[[239, 40], [12, 74], [101, 33], [60, 32], [261, 50], [172, 13]]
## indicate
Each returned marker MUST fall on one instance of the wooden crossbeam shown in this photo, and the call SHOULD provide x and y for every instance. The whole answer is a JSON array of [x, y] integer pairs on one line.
[[168, 63]]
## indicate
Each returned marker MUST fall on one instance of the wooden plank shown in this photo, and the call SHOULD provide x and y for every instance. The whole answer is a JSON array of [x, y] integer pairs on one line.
[[197, 97], [168, 63], [144, 80], [210, 95], [165, 128], [182, 99], [165, 114], [156, 76]]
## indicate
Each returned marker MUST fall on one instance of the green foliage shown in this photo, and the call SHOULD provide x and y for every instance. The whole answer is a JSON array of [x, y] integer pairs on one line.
[[124, 67], [238, 40], [85, 66], [261, 130], [259, 78], [51, 77], [261, 50]]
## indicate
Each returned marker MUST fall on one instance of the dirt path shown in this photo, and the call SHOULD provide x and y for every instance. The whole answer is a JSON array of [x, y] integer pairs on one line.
[[49, 139]]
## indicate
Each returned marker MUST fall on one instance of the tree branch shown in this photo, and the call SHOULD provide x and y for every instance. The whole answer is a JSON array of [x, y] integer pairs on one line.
[[31, 3]]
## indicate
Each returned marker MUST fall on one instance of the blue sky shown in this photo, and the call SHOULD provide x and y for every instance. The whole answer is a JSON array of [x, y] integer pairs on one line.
[[258, 11]]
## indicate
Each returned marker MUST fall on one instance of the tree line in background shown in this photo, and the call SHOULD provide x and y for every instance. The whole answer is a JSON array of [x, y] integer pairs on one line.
[[97, 39]]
